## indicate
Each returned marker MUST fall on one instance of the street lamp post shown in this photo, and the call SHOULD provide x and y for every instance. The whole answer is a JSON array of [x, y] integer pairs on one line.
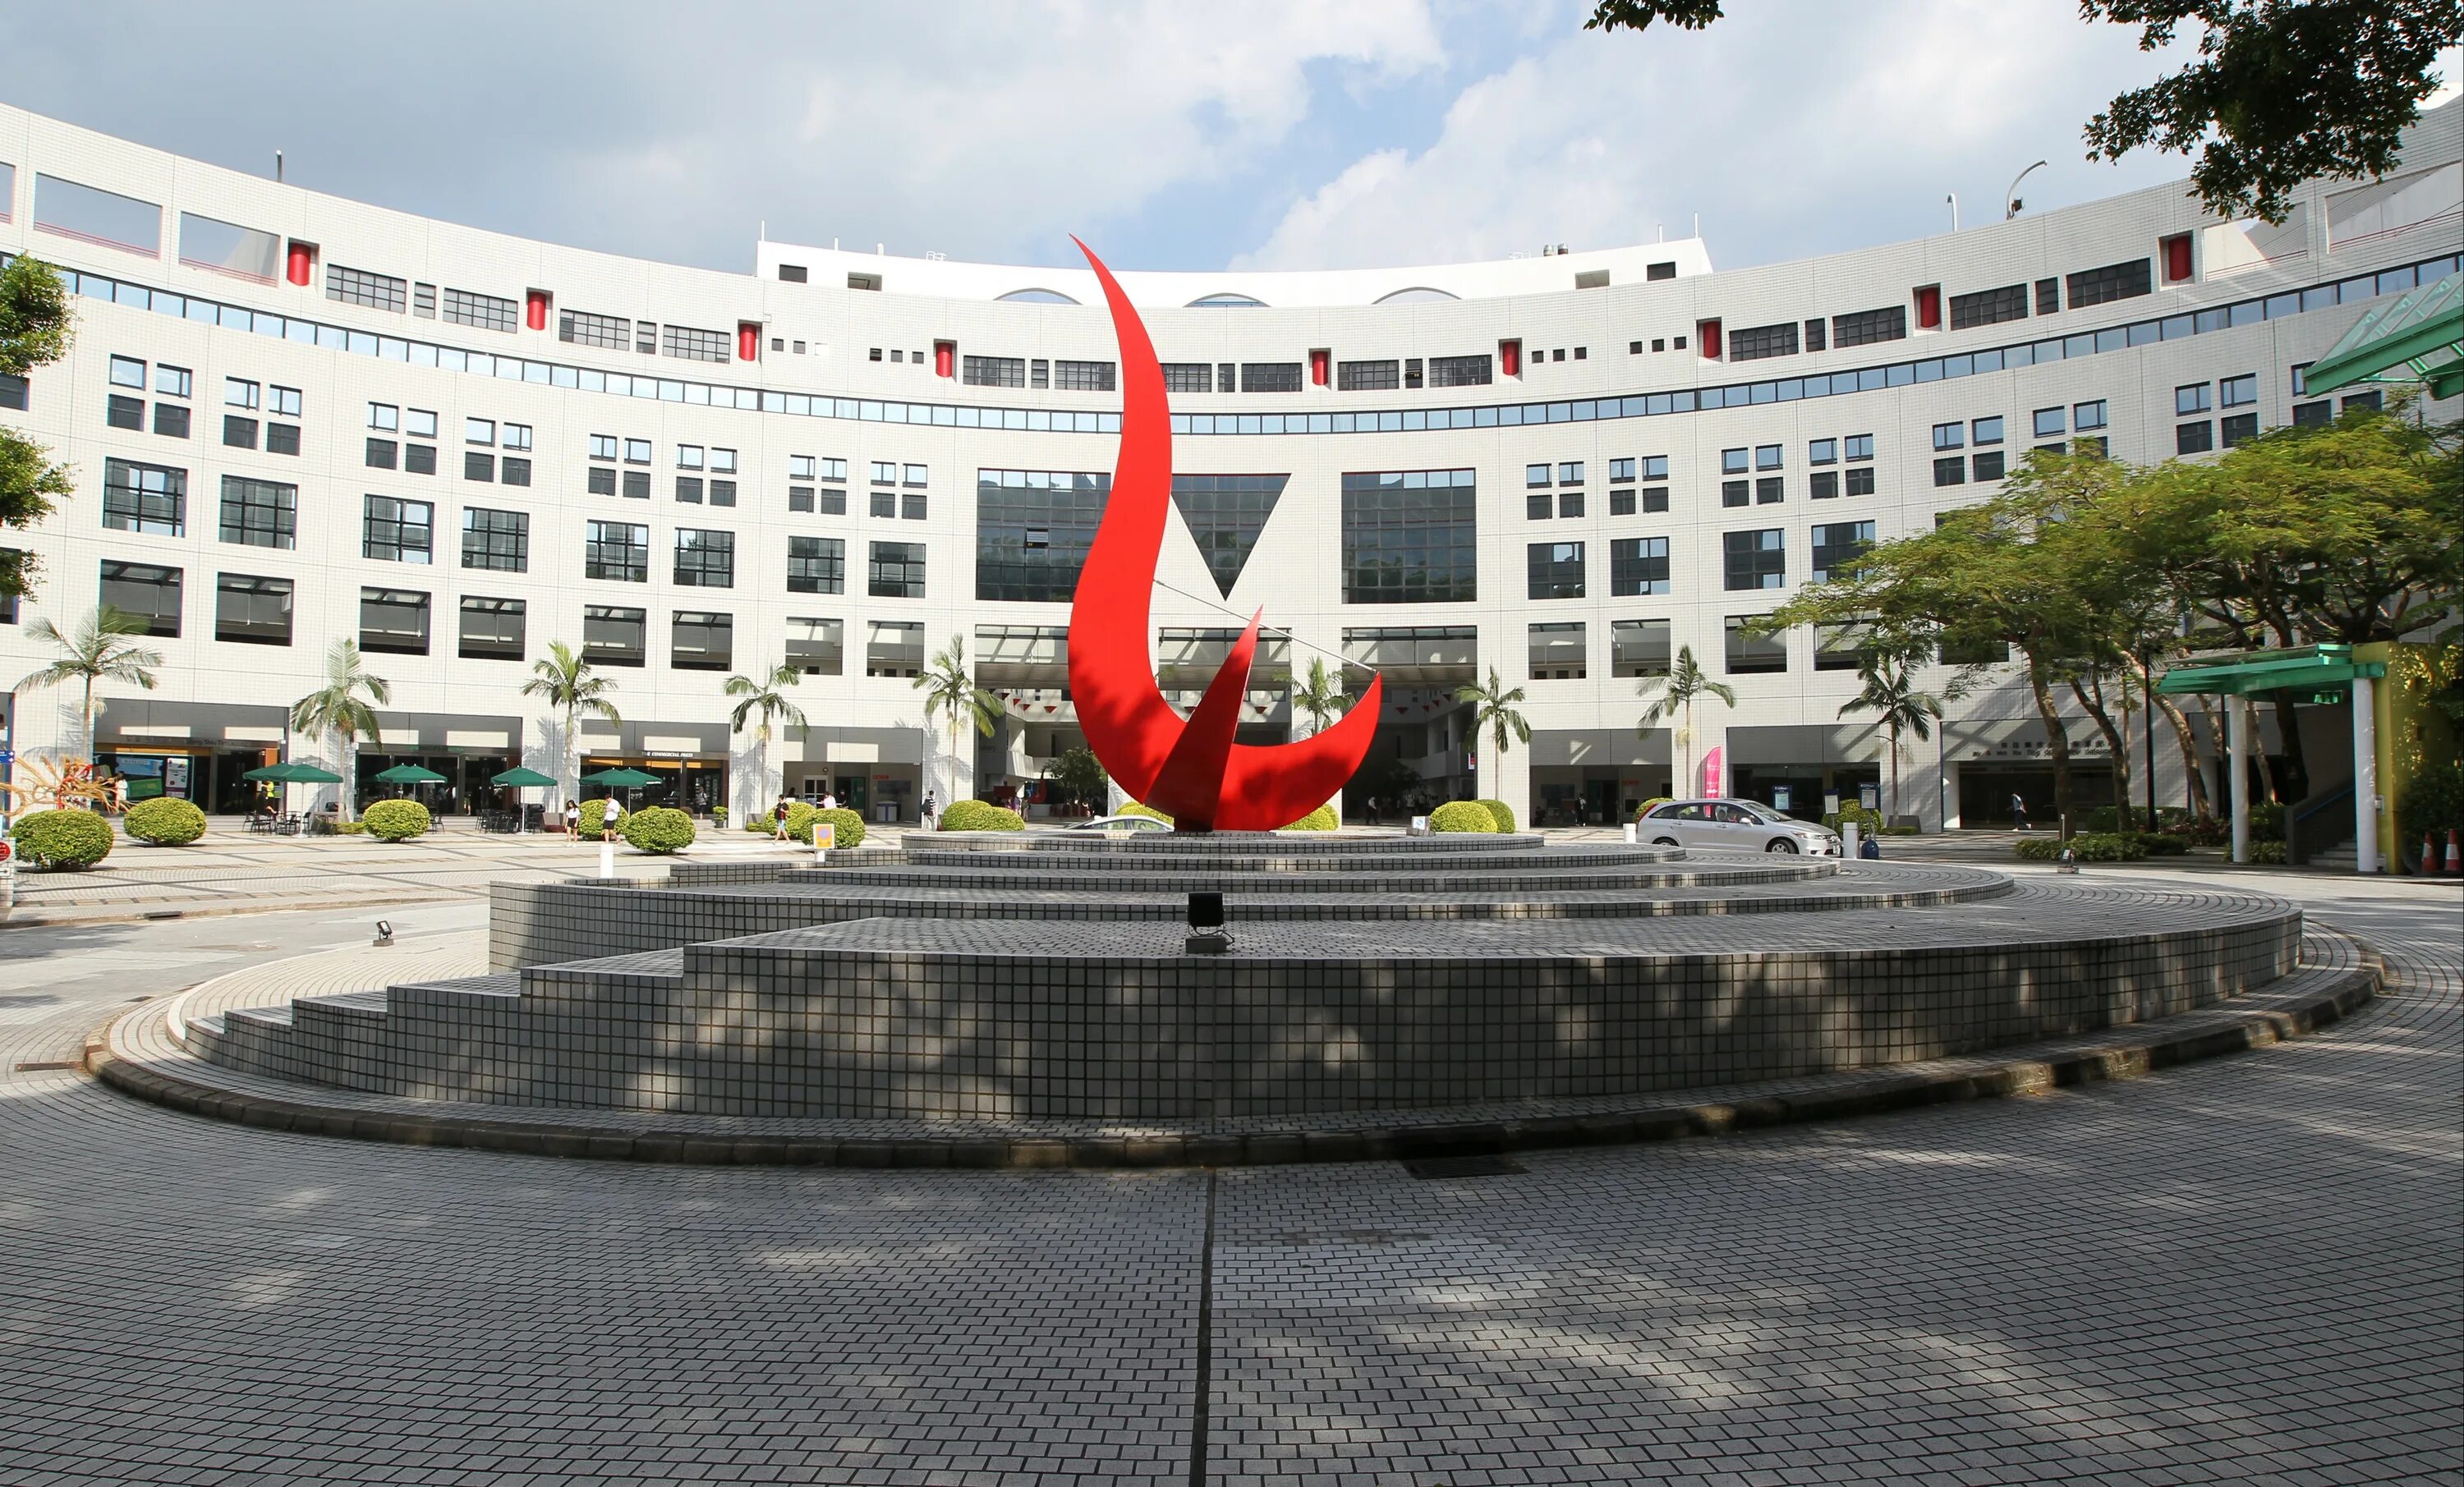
[[2011, 197]]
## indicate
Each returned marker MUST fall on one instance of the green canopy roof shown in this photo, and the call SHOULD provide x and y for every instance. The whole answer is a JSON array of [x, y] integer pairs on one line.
[[2246, 672], [2419, 338], [295, 773], [410, 774], [620, 778], [519, 776]]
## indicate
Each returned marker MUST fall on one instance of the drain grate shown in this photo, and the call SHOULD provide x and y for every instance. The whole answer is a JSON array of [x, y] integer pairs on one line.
[[46, 1068], [1428, 1168]]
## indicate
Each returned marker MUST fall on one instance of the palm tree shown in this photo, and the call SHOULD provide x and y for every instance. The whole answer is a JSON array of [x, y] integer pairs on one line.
[[1892, 693], [1495, 707], [1320, 695], [766, 699], [336, 708], [567, 682], [99, 652], [950, 693], [1686, 684]]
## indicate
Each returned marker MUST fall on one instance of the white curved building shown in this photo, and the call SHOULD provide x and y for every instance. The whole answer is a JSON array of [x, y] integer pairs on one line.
[[295, 417]]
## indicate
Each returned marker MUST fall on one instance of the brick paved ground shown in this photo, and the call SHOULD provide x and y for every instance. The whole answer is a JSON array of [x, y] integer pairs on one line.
[[2246, 1270]]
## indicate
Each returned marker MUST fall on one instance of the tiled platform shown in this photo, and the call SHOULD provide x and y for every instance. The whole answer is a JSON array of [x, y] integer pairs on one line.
[[1044, 979]]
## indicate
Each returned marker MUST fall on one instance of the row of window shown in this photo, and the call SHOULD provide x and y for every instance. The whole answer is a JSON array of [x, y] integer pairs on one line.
[[1060, 376], [1558, 650], [1638, 566]]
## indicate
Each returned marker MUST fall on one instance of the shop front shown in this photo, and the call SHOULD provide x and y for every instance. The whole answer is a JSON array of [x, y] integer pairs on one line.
[[683, 784]]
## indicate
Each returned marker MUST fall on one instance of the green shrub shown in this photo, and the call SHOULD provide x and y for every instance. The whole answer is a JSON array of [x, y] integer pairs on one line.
[[165, 820], [351, 829], [2088, 846], [1870, 822], [396, 821], [2267, 822], [800, 819], [2192, 832], [1462, 816], [977, 815], [718, 816], [1320, 819], [2162, 844], [660, 830], [63, 840], [2108, 818], [1650, 805], [593, 814], [1502, 812], [1136, 808], [2433, 803], [2270, 854], [846, 828]]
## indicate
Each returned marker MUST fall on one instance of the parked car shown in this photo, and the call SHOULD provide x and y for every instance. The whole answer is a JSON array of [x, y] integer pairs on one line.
[[1735, 826], [1119, 823]]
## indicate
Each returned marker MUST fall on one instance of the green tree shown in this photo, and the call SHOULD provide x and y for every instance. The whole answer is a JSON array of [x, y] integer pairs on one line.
[[1676, 694], [1498, 709], [1320, 696], [2283, 90], [345, 707], [571, 685], [951, 694], [100, 650], [34, 330], [1080, 773], [1889, 692], [763, 701]]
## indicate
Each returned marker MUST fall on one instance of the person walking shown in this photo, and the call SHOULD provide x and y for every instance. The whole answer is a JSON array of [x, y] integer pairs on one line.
[[2019, 810], [573, 819], [778, 823], [929, 810]]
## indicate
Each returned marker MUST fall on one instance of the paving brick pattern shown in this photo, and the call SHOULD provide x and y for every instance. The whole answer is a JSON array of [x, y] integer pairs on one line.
[[2241, 1271]]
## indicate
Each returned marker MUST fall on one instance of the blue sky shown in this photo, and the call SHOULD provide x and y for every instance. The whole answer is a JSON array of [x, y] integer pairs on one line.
[[1173, 135]]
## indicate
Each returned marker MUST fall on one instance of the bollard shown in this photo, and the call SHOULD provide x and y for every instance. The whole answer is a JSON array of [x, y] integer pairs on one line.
[[607, 856], [1848, 834], [1631, 830]]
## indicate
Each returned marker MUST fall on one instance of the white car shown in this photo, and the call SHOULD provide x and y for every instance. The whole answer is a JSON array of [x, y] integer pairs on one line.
[[1735, 826], [1119, 823]]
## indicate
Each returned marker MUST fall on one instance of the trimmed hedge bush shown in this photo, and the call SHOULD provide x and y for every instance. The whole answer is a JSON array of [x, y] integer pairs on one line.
[[2164, 843], [1320, 819], [1503, 813], [1462, 816], [2088, 846], [63, 840], [396, 821], [846, 828], [593, 812], [2269, 854], [659, 830], [800, 821], [165, 820], [1870, 822], [1138, 808], [977, 815]]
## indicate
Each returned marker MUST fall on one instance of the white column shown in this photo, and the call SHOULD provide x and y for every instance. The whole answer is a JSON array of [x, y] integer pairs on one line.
[[2365, 778], [2237, 777]]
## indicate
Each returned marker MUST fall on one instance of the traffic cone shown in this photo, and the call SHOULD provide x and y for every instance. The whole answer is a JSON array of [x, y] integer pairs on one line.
[[2429, 854], [2454, 854]]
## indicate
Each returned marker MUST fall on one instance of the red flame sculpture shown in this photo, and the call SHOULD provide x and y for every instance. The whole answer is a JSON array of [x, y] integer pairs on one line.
[[1190, 770]]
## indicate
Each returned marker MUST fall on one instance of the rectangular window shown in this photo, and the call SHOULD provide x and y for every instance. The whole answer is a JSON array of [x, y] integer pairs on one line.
[[2239, 428], [1638, 565], [799, 467], [514, 472], [637, 451], [1823, 485], [2237, 391], [1989, 307], [914, 477], [613, 635], [238, 432], [884, 472], [1749, 652], [1655, 466], [799, 498], [1950, 436], [817, 647], [645, 339], [1539, 505], [1987, 464], [1985, 430], [705, 559], [1177, 377], [1834, 545], [689, 489], [396, 531], [1570, 503], [1951, 471], [1410, 536], [2049, 424], [1368, 375], [128, 372], [1822, 452], [1620, 471], [13, 391], [487, 312], [1768, 489], [816, 565], [2314, 415], [478, 465], [1556, 570], [2114, 281], [2362, 400], [603, 446], [1840, 648], [479, 430], [170, 419], [2085, 416], [722, 493], [689, 456], [1083, 376], [251, 611], [1621, 501], [699, 641], [1639, 647], [499, 540], [637, 485], [1733, 462], [697, 346], [722, 461], [1869, 327], [1861, 480], [608, 332], [148, 498], [599, 480], [282, 401], [1756, 342], [230, 249], [2049, 297], [894, 647], [1754, 559], [393, 621], [260, 512], [282, 438], [2190, 400], [238, 392], [494, 629], [382, 454], [174, 381], [895, 571], [370, 291], [384, 417], [1570, 473], [1736, 492], [1033, 527], [1460, 371], [1557, 652], [144, 590], [618, 551], [1815, 336], [885, 503], [911, 505], [998, 372], [2193, 438], [1535, 475], [1861, 446], [1271, 377], [122, 411], [88, 214]]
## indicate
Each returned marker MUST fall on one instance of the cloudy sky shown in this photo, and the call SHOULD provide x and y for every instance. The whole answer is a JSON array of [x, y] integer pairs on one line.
[[1174, 135]]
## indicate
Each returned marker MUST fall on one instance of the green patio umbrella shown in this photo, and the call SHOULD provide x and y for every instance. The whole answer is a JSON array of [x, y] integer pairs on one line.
[[409, 775], [293, 772], [520, 779], [628, 781]]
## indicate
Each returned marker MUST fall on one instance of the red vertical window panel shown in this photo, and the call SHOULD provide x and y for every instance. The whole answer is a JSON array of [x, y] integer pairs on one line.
[[1318, 360], [748, 340], [1929, 308], [2177, 258], [535, 309], [945, 358], [1706, 338], [302, 264], [1509, 358]]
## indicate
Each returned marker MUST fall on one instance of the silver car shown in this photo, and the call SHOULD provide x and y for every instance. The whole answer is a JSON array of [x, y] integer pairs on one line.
[[1736, 826]]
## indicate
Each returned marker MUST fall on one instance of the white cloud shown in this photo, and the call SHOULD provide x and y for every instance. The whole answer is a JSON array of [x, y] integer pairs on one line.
[[1789, 138]]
